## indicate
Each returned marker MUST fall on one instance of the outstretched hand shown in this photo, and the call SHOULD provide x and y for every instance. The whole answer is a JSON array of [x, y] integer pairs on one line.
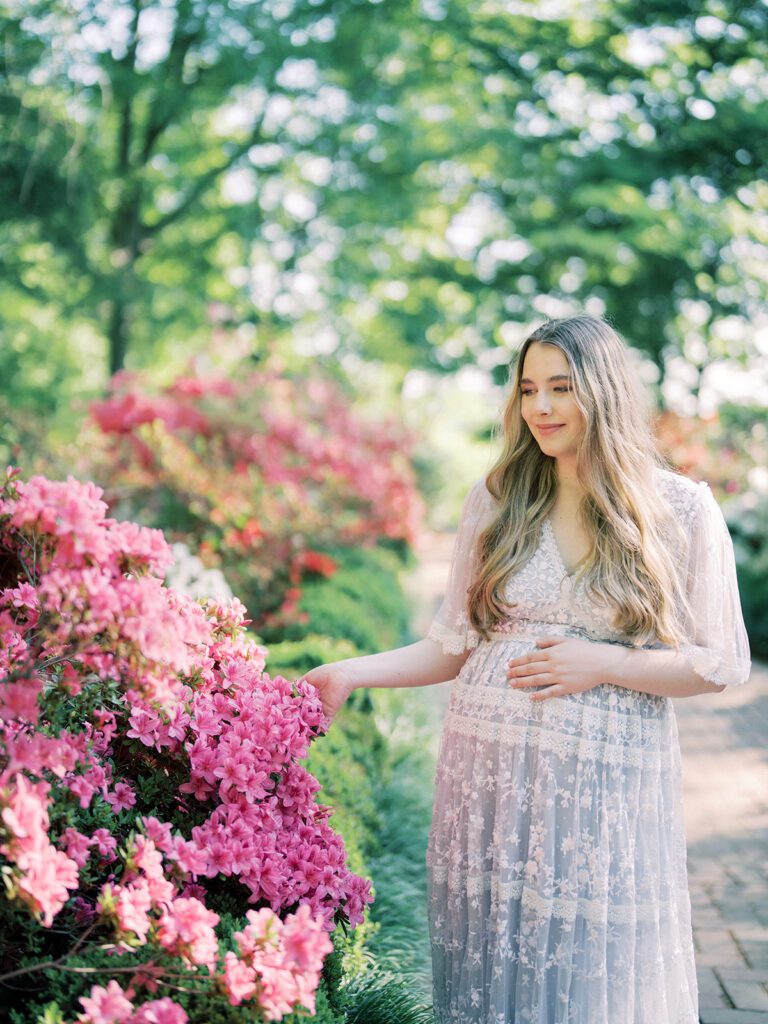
[[334, 685], [564, 665]]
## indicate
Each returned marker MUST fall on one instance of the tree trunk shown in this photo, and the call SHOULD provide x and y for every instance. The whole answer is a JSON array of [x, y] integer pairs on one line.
[[126, 241], [118, 332]]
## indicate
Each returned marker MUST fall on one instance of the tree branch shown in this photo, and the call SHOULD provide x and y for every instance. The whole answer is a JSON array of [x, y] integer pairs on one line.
[[126, 112], [202, 184], [169, 100], [51, 963]]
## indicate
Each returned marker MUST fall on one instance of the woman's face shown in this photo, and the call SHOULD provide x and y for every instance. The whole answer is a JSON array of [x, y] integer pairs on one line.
[[547, 402]]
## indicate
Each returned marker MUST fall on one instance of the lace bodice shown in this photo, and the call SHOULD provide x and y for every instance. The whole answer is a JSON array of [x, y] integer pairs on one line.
[[545, 594]]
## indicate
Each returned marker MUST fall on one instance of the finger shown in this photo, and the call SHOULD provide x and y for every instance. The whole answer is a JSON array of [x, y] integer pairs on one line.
[[550, 691], [550, 641], [538, 657], [522, 659], [538, 679], [540, 665], [526, 659]]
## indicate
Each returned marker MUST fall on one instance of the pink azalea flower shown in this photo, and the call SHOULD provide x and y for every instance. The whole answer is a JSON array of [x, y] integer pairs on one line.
[[132, 905], [25, 813], [239, 980], [45, 877], [306, 943], [83, 789], [121, 798], [106, 1005], [105, 843], [144, 725], [194, 693], [77, 846], [159, 832], [191, 858], [186, 929], [160, 1011], [19, 701], [147, 857]]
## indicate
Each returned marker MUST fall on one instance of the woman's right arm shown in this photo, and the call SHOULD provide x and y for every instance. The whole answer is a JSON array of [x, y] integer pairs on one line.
[[420, 664], [440, 656]]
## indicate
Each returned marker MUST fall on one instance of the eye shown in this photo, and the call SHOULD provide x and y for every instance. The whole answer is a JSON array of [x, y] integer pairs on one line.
[[563, 387]]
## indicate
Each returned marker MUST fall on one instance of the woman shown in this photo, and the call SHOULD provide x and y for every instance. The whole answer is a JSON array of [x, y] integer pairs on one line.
[[589, 585]]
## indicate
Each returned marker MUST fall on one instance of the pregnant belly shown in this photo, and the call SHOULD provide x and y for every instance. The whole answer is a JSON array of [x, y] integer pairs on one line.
[[483, 702]]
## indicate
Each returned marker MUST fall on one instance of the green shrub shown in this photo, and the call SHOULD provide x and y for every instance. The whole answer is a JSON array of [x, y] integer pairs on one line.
[[362, 602], [747, 519]]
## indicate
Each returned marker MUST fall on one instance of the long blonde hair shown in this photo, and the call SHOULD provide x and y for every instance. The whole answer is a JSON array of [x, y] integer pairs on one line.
[[630, 568]]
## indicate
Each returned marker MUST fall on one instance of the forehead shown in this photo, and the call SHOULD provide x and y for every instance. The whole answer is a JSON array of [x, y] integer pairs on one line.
[[542, 361]]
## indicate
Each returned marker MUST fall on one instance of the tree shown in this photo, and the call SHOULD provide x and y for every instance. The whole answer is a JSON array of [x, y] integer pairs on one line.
[[411, 181]]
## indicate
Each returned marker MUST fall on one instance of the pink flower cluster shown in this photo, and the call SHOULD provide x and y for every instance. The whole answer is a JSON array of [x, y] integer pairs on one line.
[[152, 685], [111, 1005], [43, 875], [242, 737], [302, 435], [280, 468], [280, 960], [98, 595]]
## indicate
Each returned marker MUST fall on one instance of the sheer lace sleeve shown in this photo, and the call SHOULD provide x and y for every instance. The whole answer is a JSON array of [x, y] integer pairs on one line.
[[718, 648], [450, 626]]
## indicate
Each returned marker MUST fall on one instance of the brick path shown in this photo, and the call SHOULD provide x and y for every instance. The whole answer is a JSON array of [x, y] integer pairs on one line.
[[724, 740]]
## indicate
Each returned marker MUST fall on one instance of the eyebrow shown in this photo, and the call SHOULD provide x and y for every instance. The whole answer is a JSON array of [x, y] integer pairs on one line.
[[558, 376]]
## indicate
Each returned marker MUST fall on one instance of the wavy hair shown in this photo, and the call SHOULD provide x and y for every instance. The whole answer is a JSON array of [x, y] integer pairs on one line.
[[631, 568]]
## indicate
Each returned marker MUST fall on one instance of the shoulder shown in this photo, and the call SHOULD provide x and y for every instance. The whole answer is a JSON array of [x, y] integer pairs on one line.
[[479, 502], [687, 498], [675, 484], [479, 496]]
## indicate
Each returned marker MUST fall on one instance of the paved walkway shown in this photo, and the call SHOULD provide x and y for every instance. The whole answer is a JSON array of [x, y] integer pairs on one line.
[[724, 740]]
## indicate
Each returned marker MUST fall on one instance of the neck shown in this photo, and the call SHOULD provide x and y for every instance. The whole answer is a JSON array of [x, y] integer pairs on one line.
[[568, 484]]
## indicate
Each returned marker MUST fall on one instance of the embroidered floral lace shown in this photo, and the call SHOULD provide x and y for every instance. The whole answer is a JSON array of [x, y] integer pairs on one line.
[[557, 857]]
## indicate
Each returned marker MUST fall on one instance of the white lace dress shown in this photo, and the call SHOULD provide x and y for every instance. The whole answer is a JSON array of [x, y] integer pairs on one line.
[[557, 856]]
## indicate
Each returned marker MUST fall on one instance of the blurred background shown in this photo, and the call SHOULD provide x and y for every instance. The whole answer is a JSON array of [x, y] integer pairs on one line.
[[388, 196]]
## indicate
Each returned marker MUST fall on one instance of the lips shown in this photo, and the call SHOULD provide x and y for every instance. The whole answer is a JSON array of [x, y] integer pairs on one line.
[[549, 428]]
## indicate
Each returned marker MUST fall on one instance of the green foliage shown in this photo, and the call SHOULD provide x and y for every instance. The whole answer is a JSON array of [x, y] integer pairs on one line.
[[361, 603], [404, 793], [747, 519], [383, 999], [292, 658], [413, 182]]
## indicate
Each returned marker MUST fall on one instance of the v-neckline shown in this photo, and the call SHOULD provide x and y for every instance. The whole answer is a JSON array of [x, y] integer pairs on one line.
[[555, 547]]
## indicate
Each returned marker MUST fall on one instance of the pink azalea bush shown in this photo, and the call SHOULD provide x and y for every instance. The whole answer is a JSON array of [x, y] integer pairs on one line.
[[150, 778], [263, 475]]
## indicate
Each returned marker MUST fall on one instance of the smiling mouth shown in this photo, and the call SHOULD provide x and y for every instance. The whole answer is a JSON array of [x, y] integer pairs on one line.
[[549, 427]]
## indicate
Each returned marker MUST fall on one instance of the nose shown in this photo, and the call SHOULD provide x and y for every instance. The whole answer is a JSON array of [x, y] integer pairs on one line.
[[543, 403]]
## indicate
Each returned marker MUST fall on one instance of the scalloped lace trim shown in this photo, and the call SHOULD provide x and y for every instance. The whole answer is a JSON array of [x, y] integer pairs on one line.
[[561, 744], [473, 884], [709, 666], [450, 641]]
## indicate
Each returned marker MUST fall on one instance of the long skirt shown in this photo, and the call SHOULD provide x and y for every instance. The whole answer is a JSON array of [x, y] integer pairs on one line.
[[557, 856]]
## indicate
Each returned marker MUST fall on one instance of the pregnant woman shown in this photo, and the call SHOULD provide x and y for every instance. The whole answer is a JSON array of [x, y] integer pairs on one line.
[[589, 585]]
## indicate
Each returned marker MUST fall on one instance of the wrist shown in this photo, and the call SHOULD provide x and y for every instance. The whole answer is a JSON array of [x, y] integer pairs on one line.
[[346, 669], [620, 665]]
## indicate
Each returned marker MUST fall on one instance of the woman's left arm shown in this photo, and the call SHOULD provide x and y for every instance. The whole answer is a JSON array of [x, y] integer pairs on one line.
[[715, 652], [569, 665]]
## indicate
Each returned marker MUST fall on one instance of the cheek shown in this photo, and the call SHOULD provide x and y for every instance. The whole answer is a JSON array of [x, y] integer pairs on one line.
[[579, 423]]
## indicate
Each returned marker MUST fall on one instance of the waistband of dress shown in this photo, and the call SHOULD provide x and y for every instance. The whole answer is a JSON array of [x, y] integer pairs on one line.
[[530, 628]]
